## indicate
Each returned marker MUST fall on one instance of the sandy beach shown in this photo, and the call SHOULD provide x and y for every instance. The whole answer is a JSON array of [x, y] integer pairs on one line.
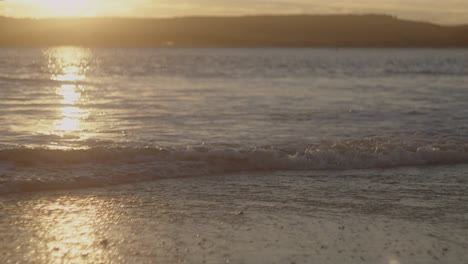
[[278, 217]]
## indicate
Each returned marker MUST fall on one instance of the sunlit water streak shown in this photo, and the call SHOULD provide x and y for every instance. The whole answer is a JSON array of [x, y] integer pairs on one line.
[[65, 228]]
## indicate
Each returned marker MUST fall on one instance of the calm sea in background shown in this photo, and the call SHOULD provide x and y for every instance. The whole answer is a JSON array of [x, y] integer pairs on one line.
[[124, 115]]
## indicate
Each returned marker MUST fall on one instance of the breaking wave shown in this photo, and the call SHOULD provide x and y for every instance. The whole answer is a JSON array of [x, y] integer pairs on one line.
[[33, 169]]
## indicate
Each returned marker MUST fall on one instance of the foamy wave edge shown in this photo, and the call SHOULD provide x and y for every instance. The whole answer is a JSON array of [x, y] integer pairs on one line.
[[25, 170]]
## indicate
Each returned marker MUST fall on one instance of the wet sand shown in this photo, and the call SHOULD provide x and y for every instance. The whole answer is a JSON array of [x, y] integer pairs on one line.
[[381, 216]]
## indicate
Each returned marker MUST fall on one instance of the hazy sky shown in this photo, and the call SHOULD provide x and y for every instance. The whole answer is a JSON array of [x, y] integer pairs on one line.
[[440, 11]]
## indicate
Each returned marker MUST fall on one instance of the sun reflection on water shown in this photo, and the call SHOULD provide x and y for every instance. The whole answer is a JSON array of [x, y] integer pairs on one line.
[[71, 93], [69, 65], [71, 74], [67, 230], [71, 119]]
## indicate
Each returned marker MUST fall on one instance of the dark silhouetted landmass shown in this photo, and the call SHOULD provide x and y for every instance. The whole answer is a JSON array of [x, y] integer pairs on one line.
[[250, 31]]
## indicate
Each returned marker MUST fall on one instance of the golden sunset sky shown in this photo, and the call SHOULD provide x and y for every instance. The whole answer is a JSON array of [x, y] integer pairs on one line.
[[438, 11]]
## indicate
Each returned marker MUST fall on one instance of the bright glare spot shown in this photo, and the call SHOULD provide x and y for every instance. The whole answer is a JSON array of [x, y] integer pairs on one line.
[[68, 64], [71, 119], [69, 77], [394, 261], [66, 8], [68, 124], [70, 227], [69, 93]]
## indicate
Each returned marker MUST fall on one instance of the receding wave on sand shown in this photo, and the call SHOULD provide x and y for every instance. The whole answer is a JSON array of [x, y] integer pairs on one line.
[[30, 169]]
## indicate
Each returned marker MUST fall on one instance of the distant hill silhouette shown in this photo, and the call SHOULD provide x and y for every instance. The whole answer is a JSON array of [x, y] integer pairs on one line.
[[248, 31]]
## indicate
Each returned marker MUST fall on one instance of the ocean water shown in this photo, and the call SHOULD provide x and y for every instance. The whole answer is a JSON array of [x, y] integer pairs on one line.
[[73, 117]]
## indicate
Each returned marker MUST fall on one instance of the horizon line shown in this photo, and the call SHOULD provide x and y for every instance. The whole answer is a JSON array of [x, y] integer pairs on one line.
[[239, 16]]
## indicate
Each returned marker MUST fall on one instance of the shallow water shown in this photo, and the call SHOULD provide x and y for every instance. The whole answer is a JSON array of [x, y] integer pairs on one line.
[[386, 216], [74, 117]]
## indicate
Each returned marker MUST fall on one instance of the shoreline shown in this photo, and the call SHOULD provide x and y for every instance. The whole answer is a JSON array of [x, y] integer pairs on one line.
[[269, 218]]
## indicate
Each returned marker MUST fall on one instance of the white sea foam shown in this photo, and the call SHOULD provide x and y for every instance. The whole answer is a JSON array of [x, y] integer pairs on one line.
[[43, 169]]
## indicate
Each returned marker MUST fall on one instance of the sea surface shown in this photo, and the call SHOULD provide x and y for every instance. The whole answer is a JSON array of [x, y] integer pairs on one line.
[[74, 117]]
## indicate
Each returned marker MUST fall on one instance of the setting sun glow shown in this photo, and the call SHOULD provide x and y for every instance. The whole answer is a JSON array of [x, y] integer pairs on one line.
[[446, 12], [66, 8]]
